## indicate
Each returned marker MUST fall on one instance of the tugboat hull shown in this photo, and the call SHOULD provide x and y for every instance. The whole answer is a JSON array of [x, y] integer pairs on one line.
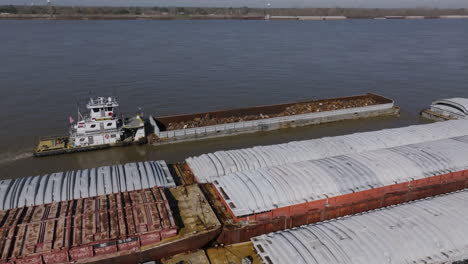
[[67, 150]]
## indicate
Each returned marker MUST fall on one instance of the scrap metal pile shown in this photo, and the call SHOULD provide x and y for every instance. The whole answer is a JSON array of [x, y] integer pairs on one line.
[[296, 109]]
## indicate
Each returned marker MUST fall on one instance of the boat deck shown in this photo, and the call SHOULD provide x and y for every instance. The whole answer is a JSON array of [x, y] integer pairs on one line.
[[231, 254], [52, 143]]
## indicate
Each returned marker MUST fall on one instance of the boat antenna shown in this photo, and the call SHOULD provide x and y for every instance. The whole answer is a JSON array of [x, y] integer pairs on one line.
[[140, 112], [78, 109]]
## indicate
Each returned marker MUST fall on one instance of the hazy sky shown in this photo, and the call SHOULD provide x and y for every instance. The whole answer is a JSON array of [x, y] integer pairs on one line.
[[257, 3]]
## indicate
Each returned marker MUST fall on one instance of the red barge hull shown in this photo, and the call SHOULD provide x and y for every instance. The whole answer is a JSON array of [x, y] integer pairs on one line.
[[237, 230]]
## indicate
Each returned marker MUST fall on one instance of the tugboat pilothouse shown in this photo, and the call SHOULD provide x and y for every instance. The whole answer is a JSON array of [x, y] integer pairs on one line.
[[101, 126], [100, 129]]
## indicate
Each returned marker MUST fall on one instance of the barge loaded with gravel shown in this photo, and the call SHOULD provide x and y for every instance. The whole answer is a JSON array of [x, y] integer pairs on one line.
[[169, 129]]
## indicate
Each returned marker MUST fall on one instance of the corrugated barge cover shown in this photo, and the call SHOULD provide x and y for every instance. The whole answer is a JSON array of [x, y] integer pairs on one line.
[[425, 231], [209, 167], [256, 191], [63, 186]]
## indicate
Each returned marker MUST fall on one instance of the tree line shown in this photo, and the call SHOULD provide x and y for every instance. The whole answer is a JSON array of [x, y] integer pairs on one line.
[[230, 11]]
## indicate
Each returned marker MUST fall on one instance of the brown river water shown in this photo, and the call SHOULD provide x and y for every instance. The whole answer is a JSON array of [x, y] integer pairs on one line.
[[177, 67]]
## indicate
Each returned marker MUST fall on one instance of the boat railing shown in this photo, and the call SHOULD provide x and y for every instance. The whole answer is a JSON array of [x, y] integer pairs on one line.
[[52, 137]]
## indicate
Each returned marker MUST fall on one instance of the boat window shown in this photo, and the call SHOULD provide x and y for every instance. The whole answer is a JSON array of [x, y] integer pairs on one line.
[[109, 124], [95, 110], [109, 109], [82, 139], [113, 136], [93, 126]]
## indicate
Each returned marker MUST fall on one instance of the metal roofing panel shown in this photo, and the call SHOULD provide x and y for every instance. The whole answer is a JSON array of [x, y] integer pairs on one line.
[[60, 186], [209, 167], [422, 232], [265, 189], [461, 103]]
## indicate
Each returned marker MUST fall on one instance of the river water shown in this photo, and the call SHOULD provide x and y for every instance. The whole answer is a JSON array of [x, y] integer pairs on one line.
[[176, 67]]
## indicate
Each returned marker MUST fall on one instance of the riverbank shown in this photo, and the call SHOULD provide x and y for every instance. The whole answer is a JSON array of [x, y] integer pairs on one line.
[[205, 17], [240, 13]]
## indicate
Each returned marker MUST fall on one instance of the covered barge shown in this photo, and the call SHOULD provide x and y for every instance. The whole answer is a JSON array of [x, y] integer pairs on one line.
[[64, 186], [179, 128], [208, 167], [269, 199], [447, 109], [432, 230]]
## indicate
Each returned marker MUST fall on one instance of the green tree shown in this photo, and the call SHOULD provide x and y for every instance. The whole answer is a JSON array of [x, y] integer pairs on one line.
[[121, 11], [8, 9]]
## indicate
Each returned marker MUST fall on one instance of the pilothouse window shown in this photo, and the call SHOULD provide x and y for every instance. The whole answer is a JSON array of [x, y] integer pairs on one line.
[[109, 109], [93, 126], [96, 110], [109, 124]]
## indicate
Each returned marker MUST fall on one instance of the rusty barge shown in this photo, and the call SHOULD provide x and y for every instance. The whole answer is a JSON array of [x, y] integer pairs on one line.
[[124, 227], [170, 129]]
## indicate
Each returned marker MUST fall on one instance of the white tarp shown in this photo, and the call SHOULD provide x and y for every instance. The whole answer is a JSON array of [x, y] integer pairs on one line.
[[255, 191], [209, 167], [62, 186], [423, 232]]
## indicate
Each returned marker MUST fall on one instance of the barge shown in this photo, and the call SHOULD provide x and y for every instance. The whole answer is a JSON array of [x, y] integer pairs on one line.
[[430, 227], [431, 230], [208, 167], [124, 227], [101, 129], [216, 211], [64, 186], [447, 109], [170, 129], [256, 202]]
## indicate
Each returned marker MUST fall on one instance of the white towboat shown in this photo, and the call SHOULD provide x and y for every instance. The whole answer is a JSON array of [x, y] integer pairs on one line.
[[102, 128]]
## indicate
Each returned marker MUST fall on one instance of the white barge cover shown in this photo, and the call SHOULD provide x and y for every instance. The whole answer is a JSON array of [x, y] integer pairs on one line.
[[265, 189], [63, 186], [209, 167], [455, 108], [422, 232]]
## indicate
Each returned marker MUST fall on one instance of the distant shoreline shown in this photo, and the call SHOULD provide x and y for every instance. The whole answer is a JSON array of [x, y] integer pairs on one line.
[[51, 12], [207, 17]]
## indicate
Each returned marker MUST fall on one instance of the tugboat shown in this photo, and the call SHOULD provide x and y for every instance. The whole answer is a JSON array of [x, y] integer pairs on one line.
[[98, 130]]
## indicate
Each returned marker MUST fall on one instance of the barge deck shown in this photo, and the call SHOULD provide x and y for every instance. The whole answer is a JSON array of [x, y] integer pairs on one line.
[[170, 129], [125, 227]]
